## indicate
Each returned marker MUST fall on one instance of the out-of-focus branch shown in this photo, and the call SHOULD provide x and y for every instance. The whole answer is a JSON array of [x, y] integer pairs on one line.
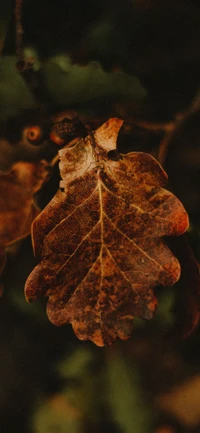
[[154, 126], [23, 63], [170, 129], [19, 31], [176, 127]]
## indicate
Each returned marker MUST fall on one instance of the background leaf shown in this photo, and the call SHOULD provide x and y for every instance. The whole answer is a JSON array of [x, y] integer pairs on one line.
[[17, 206]]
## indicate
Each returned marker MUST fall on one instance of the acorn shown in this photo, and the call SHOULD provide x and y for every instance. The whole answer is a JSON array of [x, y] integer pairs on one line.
[[34, 134]]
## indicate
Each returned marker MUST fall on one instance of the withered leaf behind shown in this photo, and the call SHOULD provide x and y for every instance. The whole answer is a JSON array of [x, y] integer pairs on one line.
[[17, 206], [99, 241]]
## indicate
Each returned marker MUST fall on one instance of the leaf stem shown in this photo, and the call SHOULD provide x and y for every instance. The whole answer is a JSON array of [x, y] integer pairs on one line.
[[56, 158]]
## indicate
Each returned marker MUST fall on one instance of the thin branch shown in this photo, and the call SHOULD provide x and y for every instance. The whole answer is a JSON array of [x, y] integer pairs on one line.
[[23, 63], [164, 145], [176, 126], [19, 31], [153, 126]]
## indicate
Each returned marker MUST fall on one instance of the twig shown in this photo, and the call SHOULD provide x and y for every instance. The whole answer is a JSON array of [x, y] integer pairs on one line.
[[176, 126], [23, 63], [153, 126], [164, 145], [19, 31]]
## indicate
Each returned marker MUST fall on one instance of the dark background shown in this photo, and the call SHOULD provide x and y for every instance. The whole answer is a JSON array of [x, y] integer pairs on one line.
[[138, 60]]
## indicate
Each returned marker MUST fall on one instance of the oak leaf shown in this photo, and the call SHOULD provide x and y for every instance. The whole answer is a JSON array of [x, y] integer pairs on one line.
[[99, 240], [17, 206]]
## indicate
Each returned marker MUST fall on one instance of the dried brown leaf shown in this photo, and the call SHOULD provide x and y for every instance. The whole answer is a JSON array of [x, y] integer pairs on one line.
[[17, 207], [99, 241]]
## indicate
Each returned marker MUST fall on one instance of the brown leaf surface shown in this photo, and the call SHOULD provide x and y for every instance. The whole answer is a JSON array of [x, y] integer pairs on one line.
[[99, 241], [17, 207]]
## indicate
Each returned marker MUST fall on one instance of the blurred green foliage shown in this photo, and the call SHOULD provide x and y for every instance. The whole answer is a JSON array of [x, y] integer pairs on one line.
[[66, 84]]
